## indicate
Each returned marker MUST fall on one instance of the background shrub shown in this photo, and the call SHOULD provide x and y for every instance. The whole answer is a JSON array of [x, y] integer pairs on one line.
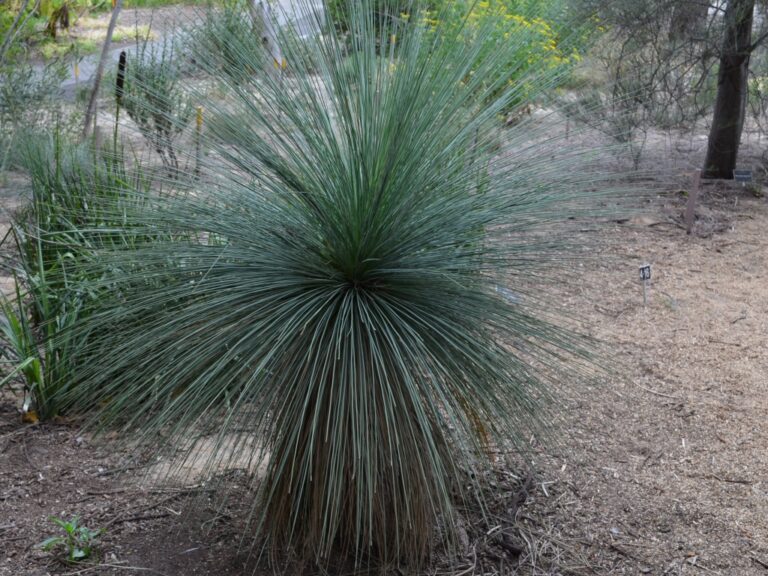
[[545, 37]]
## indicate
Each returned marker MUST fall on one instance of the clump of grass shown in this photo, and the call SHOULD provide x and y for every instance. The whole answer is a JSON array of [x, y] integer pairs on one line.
[[30, 98], [225, 34], [154, 98], [68, 219]]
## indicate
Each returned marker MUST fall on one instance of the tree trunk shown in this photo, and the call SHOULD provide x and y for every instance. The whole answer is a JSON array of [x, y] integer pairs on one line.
[[91, 110], [730, 106], [262, 17], [689, 20]]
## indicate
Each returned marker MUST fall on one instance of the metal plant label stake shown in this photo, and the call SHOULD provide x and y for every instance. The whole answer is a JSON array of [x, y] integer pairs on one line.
[[645, 278], [742, 175]]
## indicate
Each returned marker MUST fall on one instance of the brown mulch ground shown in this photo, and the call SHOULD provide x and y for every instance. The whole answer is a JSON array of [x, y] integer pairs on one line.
[[665, 468], [661, 468]]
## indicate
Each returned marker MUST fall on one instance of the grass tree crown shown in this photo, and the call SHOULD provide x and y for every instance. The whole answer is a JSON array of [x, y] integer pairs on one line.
[[331, 297]]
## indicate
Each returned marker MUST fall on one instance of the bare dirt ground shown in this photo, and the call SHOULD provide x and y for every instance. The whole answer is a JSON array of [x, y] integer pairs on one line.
[[661, 469], [665, 468]]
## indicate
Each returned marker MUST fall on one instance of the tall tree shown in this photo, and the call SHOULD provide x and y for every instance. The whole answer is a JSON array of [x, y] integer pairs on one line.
[[730, 106]]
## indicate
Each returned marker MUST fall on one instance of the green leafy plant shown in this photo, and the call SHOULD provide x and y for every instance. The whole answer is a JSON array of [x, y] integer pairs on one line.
[[338, 310], [19, 348], [77, 542], [34, 333], [68, 219], [19, 344]]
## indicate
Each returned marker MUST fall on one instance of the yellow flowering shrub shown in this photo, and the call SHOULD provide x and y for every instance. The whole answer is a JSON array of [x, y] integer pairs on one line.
[[528, 34], [538, 50]]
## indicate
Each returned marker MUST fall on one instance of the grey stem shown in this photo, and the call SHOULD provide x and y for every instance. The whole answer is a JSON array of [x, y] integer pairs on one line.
[[90, 111], [14, 29]]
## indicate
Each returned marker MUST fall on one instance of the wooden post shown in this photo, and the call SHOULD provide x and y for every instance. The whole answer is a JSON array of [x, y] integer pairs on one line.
[[690, 207]]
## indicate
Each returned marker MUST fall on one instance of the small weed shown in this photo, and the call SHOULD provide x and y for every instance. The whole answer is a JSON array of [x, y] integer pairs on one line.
[[756, 189], [77, 541]]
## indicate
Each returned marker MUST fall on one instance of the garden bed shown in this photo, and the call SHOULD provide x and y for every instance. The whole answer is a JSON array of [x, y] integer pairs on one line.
[[661, 467]]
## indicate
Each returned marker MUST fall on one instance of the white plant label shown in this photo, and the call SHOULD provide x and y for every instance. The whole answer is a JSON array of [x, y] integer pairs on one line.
[[645, 278]]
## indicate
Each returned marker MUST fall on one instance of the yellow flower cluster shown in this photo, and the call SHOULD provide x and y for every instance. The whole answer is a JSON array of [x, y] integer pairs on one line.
[[540, 41], [532, 43], [535, 42]]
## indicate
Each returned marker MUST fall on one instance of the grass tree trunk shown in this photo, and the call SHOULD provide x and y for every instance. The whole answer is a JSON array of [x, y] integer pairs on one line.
[[728, 119], [91, 110], [689, 20]]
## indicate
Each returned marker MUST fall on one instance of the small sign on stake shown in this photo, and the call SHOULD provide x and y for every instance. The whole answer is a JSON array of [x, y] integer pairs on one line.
[[645, 278], [743, 176]]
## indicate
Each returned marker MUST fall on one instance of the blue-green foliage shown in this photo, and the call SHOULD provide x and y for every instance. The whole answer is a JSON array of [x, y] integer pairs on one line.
[[351, 293]]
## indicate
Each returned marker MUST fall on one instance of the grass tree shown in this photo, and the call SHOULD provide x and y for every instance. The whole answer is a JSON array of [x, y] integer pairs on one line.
[[349, 296]]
